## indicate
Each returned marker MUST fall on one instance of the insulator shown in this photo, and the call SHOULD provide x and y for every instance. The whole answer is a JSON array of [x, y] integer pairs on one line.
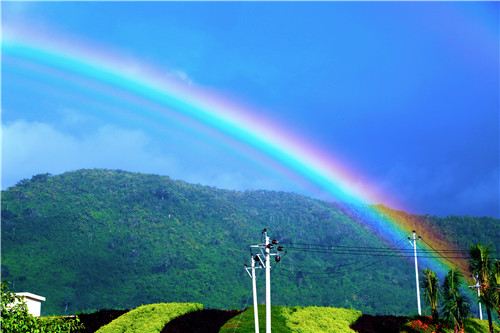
[[277, 258], [280, 248], [274, 241]]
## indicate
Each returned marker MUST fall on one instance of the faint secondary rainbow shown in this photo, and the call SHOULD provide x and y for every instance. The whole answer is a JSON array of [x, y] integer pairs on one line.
[[239, 123]]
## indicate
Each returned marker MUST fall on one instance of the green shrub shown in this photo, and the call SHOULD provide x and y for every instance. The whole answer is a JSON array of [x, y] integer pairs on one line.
[[55, 324], [244, 322], [15, 317], [473, 325], [295, 319], [149, 318], [314, 319]]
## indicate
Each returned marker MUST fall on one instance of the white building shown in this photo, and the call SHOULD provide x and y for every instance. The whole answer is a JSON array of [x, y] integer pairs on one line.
[[33, 302]]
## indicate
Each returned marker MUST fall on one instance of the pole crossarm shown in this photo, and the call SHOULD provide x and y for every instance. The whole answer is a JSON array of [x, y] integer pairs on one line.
[[266, 250]]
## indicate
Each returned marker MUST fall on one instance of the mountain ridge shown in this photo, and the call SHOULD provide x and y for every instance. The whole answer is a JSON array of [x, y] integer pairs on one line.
[[96, 238]]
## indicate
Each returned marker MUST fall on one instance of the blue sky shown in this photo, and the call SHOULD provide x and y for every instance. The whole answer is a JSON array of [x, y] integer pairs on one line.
[[406, 94]]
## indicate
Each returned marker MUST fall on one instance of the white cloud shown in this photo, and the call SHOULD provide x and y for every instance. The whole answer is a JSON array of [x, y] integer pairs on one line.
[[29, 148], [183, 76]]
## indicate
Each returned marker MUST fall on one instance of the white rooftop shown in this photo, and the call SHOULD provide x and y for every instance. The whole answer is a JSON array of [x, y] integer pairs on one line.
[[32, 296]]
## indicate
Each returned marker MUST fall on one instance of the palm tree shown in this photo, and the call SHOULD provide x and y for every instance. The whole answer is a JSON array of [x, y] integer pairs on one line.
[[481, 265], [455, 308], [497, 282], [431, 292], [480, 262], [497, 272]]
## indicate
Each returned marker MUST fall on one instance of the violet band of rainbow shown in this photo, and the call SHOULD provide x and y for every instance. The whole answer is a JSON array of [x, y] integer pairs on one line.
[[239, 123]]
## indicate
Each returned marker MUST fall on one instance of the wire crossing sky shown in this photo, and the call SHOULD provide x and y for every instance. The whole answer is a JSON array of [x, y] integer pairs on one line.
[[396, 103]]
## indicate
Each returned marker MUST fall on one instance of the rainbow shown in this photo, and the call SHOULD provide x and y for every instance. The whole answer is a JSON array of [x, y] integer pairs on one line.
[[239, 123]]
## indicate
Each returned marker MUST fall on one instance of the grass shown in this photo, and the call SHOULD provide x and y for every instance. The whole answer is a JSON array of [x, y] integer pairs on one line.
[[149, 318], [295, 319]]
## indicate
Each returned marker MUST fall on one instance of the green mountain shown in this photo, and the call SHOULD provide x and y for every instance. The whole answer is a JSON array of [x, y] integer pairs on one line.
[[95, 239]]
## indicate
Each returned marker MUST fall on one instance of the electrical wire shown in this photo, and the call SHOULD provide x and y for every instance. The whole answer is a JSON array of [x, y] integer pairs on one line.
[[375, 251], [379, 254], [367, 251], [371, 248]]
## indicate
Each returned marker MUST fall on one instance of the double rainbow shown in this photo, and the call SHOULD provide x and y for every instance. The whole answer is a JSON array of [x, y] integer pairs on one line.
[[239, 123]]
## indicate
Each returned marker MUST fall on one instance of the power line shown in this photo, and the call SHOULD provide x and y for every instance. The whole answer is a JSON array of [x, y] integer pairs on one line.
[[438, 252], [386, 248], [371, 248], [376, 254], [328, 274]]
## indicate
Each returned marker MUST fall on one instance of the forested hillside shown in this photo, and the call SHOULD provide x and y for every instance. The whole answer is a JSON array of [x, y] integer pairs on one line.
[[94, 239]]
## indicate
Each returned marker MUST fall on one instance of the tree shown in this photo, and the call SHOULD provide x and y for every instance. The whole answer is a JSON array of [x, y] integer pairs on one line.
[[431, 292], [481, 265], [497, 281], [455, 307], [15, 317]]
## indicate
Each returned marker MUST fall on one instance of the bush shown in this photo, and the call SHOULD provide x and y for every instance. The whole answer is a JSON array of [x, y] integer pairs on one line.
[[244, 322], [314, 319], [149, 318], [311, 319], [425, 325], [15, 317], [59, 325]]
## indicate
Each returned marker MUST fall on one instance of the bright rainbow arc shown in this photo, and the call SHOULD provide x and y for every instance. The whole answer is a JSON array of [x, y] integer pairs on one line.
[[237, 122]]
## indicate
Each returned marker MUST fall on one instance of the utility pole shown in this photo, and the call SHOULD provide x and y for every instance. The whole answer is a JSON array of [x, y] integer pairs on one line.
[[417, 284], [268, 281], [254, 292], [478, 287], [267, 249]]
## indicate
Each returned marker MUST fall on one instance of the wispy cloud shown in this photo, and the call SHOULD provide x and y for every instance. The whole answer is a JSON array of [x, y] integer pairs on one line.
[[34, 147], [183, 76], [31, 148]]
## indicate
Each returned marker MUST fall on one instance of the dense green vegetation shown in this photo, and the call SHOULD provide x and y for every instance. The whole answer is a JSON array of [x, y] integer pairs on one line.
[[424, 325], [320, 319], [15, 317], [449, 306], [474, 325], [149, 318], [95, 239], [337, 320], [244, 322], [296, 319]]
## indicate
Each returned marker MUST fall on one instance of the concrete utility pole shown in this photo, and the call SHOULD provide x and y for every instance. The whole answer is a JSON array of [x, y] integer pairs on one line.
[[267, 250], [268, 282], [478, 287], [254, 291], [417, 284]]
